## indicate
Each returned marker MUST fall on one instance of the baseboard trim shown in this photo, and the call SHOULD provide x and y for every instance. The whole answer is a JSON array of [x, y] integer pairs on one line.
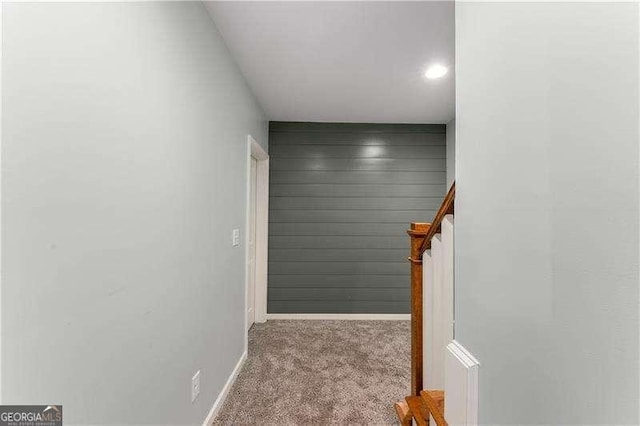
[[217, 405], [361, 317]]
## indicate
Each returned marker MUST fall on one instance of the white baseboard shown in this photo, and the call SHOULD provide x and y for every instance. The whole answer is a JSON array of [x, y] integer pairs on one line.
[[361, 317], [217, 405]]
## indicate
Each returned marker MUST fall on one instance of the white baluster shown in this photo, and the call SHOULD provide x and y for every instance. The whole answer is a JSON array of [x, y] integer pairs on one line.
[[427, 320], [437, 380], [448, 279]]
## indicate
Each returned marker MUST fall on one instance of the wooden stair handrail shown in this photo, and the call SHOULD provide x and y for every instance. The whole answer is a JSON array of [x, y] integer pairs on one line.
[[445, 208]]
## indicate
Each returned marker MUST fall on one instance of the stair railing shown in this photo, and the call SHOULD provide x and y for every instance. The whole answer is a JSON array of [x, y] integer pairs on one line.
[[446, 208], [421, 235]]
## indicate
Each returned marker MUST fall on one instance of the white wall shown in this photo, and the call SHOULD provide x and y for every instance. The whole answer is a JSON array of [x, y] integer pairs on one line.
[[451, 152], [547, 209], [123, 173]]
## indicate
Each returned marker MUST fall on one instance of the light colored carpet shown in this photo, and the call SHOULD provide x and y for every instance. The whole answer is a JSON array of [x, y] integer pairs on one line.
[[321, 372]]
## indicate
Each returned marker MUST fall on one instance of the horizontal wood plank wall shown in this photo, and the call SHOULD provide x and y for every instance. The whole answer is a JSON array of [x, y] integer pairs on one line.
[[341, 198]]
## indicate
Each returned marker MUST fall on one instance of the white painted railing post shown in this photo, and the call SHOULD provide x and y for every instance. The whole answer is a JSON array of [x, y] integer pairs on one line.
[[437, 380], [447, 279], [427, 318]]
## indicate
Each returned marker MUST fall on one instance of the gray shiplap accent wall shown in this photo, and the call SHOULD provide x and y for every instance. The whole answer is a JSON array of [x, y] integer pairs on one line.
[[340, 200]]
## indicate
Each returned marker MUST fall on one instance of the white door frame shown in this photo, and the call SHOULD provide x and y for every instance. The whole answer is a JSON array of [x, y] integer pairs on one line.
[[251, 234], [1, 42], [262, 229]]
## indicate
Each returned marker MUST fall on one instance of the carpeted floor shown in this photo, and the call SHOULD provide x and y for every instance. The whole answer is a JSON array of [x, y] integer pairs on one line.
[[321, 372]]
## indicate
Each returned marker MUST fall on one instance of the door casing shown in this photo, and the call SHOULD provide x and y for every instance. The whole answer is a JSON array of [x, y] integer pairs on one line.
[[261, 231], [251, 231]]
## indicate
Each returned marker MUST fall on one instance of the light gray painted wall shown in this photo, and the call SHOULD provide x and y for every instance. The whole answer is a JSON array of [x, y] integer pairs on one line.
[[123, 173], [341, 199], [451, 152], [547, 209]]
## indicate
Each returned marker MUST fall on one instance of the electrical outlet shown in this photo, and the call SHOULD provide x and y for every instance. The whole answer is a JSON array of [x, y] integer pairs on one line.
[[195, 386], [235, 238]]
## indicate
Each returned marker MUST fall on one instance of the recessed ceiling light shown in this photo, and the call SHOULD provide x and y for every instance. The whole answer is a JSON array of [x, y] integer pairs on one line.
[[435, 71]]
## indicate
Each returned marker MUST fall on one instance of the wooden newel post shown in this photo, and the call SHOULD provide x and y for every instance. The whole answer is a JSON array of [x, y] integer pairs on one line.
[[417, 233]]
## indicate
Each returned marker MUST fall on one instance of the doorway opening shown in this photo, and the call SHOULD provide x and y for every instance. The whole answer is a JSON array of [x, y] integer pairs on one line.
[[257, 233]]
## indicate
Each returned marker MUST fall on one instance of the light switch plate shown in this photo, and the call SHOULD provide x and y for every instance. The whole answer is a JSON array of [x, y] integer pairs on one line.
[[235, 239]]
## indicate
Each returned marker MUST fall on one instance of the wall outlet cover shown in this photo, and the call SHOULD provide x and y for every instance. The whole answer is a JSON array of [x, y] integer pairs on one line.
[[235, 237]]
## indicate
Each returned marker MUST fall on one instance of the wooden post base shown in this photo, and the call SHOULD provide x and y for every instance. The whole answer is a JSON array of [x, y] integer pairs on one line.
[[403, 412], [428, 406]]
